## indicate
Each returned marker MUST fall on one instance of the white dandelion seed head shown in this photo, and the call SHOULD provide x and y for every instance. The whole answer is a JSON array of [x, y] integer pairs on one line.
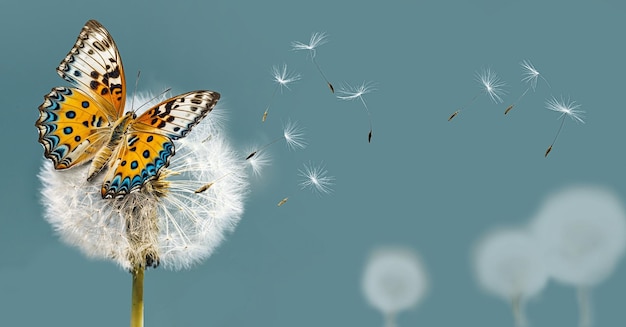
[[510, 265], [294, 135], [187, 227], [349, 92], [530, 74], [583, 233], [317, 39], [315, 178], [283, 77], [394, 280], [566, 107], [491, 84]]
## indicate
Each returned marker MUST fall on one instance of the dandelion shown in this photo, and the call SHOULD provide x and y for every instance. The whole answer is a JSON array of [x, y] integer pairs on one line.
[[316, 40], [293, 135], [315, 178], [348, 92], [283, 78], [394, 280], [509, 264], [567, 109], [491, 85], [165, 223], [582, 231], [530, 75]]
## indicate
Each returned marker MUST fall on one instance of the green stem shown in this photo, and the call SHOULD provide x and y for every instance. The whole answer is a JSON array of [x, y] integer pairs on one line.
[[517, 305], [390, 320], [136, 307], [584, 306]]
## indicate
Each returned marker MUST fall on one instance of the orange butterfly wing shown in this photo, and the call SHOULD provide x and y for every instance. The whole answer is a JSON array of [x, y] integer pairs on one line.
[[148, 146]]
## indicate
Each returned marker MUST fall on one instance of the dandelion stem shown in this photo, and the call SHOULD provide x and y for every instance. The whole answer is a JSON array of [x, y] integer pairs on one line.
[[332, 89], [136, 307], [517, 305], [584, 306], [390, 320], [555, 137]]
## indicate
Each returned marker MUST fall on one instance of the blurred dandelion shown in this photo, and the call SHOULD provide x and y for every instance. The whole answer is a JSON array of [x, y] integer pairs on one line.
[[316, 40], [164, 223], [567, 108], [509, 264], [530, 75], [293, 135], [582, 231], [314, 177], [394, 280], [348, 92], [283, 78], [490, 84]]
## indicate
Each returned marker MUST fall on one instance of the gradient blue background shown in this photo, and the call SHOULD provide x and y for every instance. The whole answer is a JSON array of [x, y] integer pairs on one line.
[[423, 182]]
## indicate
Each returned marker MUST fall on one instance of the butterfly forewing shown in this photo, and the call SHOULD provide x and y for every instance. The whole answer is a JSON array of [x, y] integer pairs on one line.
[[94, 63], [71, 127], [176, 116]]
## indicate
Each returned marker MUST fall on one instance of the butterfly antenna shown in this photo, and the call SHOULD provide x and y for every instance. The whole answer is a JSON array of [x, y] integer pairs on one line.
[[132, 101], [152, 99]]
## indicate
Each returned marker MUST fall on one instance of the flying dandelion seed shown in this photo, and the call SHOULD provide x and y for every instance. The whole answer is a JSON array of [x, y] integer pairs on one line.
[[567, 109], [490, 84], [283, 78], [257, 160], [315, 178], [283, 201], [316, 40], [293, 136], [348, 92], [530, 75]]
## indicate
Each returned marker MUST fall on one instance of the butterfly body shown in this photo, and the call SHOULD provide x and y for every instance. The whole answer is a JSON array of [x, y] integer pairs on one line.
[[86, 123]]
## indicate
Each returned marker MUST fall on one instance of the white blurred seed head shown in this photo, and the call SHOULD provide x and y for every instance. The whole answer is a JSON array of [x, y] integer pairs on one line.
[[183, 228], [509, 264], [583, 233], [394, 280]]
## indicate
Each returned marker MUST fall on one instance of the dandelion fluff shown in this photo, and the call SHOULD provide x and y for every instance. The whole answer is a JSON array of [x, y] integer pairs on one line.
[[583, 232], [171, 225], [509, 264], [394, 280]]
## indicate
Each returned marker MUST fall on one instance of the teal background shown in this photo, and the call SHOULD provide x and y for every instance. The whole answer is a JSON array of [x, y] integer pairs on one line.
[[423, 182]]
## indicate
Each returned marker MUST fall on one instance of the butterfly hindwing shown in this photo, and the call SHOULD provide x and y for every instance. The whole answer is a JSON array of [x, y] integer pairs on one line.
[[140, 158], [176, 116], [94, 65], [72, 127]]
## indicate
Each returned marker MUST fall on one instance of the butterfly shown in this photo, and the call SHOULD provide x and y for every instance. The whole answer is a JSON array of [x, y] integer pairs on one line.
[[86, 122]]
